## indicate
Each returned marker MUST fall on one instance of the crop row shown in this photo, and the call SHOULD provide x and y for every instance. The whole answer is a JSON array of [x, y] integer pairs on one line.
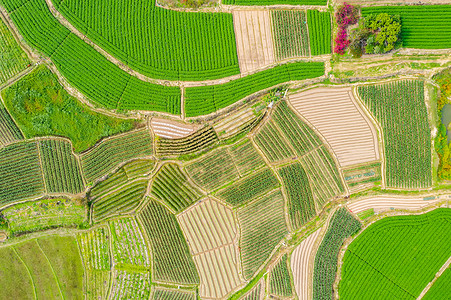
[[170, 294], [172, 187], [280, 280], [250, 187], [130, 285], [246, 157], [319, 28], [301, 206], [423, 26], [61, 170], [107, 155], [213, 170], [20, 172], [301, 137], [138, 168], [94, 248], [9, 132], [203, 100], [274, 2], [13, 59], [129, 246], [270, 140], [121, 201], [407, 250], [171, 259], [325, 179], [291, 37], [193, 143], [263, 226], [158, 42], [342, 225], [401, 111], [85, 68]]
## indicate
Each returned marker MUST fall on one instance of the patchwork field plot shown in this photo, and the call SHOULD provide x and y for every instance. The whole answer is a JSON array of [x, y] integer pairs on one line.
[[407, 135], [61, 169], [322, 171], [172, 187], [291, 37], [238, 121], [342, 226], [300, 203], [172, 261], [246, 157], [95, 253], [274, 2], [211, 233], [263, 226], [423, 26], [169, 294], [20, 174], [300, 265], [257, 292], [250, 187], [198, 141], [9, 132], [203, 100], [280, 280], [13, 59], [47, 267], [337, 116], [170, 129], [110, 153], [384, 203], [378, 257], [123, 200], [43, 214], [363, 177], [254, 40], [130, 285]]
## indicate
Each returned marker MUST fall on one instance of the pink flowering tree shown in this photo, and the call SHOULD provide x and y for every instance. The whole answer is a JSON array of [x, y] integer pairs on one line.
[[346, 15]]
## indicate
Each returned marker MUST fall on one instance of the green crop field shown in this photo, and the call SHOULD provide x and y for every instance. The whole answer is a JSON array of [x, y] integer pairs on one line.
[[290, 33], [406, 131], [401, 253], [423, 27], [13, 60], [342, 225], [262, 227], [163, 150]]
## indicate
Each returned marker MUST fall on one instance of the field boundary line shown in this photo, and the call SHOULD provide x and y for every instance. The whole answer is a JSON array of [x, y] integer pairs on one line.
[[437, 276], [51, 268], [28, 271]]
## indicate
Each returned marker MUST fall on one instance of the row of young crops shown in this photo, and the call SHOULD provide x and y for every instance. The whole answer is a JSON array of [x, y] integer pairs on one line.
[[397, 256], [203, 100], [158, 42], [342, 225], [423, 26], [9, 132], [171, 186], [130, 285], [400, 108], [280, 280]]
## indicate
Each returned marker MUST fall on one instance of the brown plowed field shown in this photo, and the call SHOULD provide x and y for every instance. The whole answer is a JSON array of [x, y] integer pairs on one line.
[[171, 129], [301, 267], [336, 115], [384, 203], [254, 39], [211, 232]]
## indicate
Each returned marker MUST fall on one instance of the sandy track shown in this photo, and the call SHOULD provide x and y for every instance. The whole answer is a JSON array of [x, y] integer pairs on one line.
[[171, 129], [384, 203], [254, 39], [211, 232], [336, 115], [301, 266]]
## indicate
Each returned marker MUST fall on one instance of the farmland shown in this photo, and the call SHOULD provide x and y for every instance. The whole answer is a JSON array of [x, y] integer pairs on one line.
[[382, 264], [425, 27], [236, 149], [406, 131]]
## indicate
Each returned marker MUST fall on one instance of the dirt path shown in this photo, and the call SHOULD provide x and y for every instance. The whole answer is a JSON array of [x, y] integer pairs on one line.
[[439, 273]]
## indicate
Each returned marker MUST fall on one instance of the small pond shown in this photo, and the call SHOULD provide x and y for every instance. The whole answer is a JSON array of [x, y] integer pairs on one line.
[[446, 119]]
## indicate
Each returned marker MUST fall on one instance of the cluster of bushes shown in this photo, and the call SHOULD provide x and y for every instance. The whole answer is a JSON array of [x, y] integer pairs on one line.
[[374, 34]]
